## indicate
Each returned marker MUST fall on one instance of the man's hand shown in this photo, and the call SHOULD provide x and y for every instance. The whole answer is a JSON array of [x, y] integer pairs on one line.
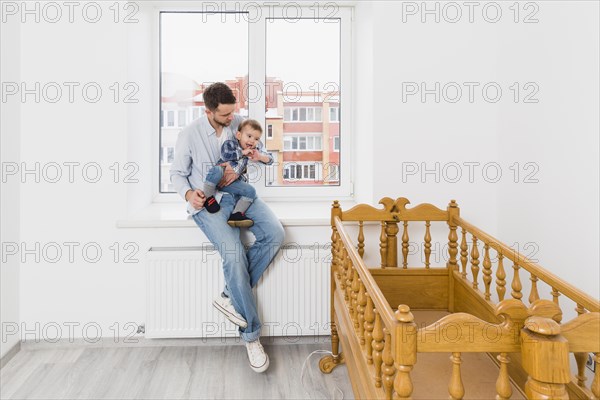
[[229, 175], [196, 198]]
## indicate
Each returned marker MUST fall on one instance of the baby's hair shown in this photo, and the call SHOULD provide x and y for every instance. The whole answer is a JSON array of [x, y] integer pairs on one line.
[[254, 124]]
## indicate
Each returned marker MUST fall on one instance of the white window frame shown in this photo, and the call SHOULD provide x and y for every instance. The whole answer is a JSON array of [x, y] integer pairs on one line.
[[257, 68]]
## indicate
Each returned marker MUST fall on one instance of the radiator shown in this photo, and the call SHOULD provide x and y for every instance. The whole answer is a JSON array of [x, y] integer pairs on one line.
[[181, 283]]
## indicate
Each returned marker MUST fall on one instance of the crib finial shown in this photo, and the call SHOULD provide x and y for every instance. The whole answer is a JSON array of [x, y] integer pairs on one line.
[[403, 314]]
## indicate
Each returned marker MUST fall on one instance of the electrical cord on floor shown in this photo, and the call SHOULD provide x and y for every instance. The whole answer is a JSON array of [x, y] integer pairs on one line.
[[304, 366]]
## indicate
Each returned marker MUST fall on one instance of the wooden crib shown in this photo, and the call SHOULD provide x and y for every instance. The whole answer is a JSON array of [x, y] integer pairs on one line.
[[372, 319]]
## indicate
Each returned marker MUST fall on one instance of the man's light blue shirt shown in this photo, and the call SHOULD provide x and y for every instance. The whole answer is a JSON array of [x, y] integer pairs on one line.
[[197, 150]]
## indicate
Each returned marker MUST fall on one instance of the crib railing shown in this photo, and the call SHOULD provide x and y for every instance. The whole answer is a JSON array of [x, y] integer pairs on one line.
[[582, 333], [384, 344]]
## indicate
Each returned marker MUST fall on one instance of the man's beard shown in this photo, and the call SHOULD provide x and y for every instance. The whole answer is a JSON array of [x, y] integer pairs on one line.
[[223, 124]]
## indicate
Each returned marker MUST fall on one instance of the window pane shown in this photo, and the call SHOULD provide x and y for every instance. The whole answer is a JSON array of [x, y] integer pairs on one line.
[[302, 143], [184, 72], [304, 57], [303, 114], [294, 143], [181, 116], [287, 115]]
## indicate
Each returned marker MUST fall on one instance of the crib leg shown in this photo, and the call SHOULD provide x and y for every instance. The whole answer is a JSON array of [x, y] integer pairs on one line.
[[328, 363]]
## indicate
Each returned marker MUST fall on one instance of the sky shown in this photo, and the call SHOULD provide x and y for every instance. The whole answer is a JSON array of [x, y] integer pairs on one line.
[[302, 51]]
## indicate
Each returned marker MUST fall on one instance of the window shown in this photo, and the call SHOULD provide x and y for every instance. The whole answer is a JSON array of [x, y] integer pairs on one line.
[[166, 155], [302, 114], [334, 172], [196, 112], [184, 72], [301, 171], [302, 143], [334, 114], [291, 82]]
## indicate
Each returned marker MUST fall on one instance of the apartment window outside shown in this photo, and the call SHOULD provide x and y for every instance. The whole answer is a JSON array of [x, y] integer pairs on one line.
[[302, 143], [300, 171], [302, 114], [305, 63], [334, 115]]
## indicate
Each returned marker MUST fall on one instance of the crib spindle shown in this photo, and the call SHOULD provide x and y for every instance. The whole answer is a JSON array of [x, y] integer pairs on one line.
[[348, 277], [362, 302], [503, 388], [369, 319], [456, 388], [500, 278], [516, 285], [361, 239], [356, 282], [475, 263], [596, 381], [534, 295], [452, 248], [383, 246], [377, 348], [406, 354], [427, 244], [581, 358], [334, 249], [405, 245], [391, 230], [464, 253], [487, 271], [388, 365]]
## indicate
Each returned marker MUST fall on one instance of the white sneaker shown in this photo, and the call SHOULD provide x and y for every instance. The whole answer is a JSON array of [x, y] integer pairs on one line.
[[224, 305], [259, 360]]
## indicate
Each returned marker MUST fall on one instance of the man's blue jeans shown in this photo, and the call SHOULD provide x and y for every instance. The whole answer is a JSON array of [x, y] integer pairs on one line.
[[237, 187], [243, 269]]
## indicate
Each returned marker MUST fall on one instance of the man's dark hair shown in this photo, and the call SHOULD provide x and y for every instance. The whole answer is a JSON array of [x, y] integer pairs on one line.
[[217, 93]]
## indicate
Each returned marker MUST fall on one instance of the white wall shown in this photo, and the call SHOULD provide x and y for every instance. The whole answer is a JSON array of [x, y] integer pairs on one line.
[[561, 135], [388, 53], [559, 53], [10, 145]]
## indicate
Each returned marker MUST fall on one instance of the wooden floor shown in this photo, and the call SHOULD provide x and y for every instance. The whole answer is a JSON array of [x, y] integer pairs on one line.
[[213, 370], [173, 372]]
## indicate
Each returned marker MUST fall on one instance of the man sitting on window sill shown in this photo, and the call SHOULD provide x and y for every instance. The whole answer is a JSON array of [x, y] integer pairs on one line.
[[197, 150]]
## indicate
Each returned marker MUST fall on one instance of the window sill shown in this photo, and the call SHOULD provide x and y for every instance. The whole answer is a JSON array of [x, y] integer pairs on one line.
[[174, 215]]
